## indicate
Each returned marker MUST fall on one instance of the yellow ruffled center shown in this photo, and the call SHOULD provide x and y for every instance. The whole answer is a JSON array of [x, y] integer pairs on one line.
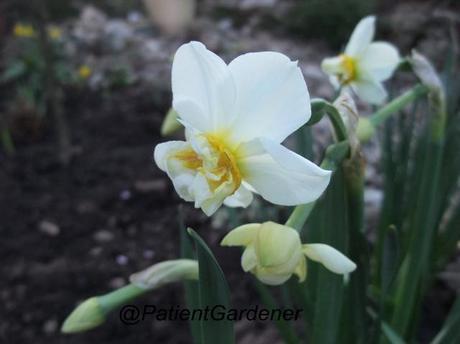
[[218, 166], [349, 69]]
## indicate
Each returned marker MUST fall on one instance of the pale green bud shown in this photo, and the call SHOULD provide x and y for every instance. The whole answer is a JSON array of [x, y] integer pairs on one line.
[[93, 311], [365, 129], [86, 316], [273, 252], [170, 124]]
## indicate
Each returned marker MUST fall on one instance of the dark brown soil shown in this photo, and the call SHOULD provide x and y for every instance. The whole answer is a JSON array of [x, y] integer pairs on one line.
[[109, 226]]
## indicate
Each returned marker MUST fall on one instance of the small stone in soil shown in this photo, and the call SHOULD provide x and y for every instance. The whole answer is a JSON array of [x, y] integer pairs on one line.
[[50, 326], [121, 259], [103, 236], [117, 282], [49, 228], [125, 195], [146, 186], [148, 254], [95, 251]]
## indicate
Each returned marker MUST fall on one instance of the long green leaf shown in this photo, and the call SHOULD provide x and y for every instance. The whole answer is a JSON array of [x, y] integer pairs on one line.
[[450, 332], [283, 326], [331, 230], [192, 297], [354, 327], [213, 291]]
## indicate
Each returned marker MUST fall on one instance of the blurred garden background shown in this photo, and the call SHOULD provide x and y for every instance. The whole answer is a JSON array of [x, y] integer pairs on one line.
[[84, 88]]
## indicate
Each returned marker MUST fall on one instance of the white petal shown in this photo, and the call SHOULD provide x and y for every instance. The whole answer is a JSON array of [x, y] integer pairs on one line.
[[163, 150], [181, 177], [333, 65], [370, 91], [332, 259], [281, 176], [379, 60], [268, 277], [361, 37], [203, 89], [301, 269], [272, 97], [241, 198], [248, 259], [242, 235]]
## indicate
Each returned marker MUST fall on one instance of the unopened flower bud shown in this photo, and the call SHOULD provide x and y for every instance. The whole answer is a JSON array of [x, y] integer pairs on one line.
[[86, 316], [365, 129], [273, 253]]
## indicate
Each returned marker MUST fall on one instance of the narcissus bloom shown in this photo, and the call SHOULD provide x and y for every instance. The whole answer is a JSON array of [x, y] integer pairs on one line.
[[84, 72], [235, 118], [365, 64], [23, 30], [273, 253]]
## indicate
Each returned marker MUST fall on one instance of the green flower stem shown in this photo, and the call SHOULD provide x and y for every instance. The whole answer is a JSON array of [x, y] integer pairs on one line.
[[334, 155], [93, 311], [367, 126], [319, 108], [397, 104]]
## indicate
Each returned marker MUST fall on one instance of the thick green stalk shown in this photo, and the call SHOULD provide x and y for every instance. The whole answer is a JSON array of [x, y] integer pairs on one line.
[[367, 126], [321, 107], [397, 104]]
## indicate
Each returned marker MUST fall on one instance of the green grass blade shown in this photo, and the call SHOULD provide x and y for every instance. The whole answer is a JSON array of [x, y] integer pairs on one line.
[[192, 297], [332, 230], [284, 327], [354, 320], [213, 291], [450, 332]]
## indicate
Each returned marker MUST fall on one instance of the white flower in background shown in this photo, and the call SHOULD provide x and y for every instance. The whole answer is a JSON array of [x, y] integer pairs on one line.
[[365, 64], [273, 253], [427, 74], [235, 118]]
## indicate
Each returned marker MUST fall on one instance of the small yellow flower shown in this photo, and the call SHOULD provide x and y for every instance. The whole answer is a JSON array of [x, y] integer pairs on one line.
[[23, 30], [84, 72], [273, 253], [54, 32]]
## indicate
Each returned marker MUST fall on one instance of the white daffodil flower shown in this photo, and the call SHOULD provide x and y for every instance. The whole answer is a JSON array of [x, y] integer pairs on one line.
[[364, 64], [273, 253], [235, 118]]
